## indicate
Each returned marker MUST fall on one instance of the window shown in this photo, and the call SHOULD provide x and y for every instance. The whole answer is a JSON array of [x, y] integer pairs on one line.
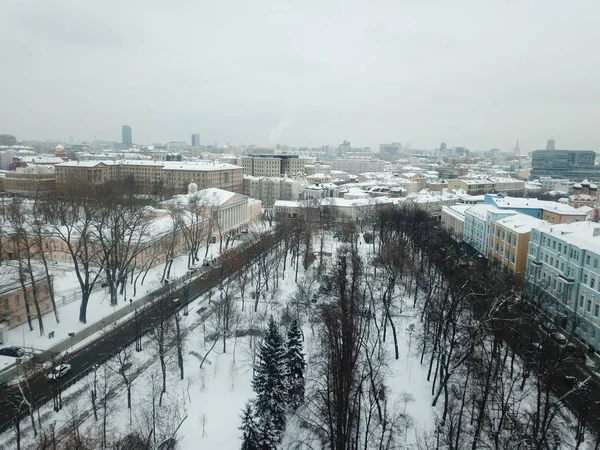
[[587, 260], [544, 240], [559, 248], [585, 278], [581, 301], [596, 310], [592, 282], [595, 263], [554, 245], [588, 306]]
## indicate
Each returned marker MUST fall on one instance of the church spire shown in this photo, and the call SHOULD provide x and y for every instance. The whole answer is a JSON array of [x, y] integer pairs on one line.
[[517, 149]]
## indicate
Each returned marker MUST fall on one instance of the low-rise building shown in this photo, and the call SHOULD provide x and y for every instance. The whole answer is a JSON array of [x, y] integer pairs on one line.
[[453, 219], [13, 298]]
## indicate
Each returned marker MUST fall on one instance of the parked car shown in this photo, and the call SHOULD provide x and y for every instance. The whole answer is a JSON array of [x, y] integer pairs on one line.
[[15, 352], [574, 352], [559, 338], [59, 371]]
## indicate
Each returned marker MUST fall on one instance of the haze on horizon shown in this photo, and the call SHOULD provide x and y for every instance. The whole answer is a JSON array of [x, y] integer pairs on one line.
[[470, 73]]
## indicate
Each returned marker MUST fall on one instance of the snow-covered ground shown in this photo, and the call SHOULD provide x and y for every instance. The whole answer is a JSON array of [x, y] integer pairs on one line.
[[207, 403], [211, 398]]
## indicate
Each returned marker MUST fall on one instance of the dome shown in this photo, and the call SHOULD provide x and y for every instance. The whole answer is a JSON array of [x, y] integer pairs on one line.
[[59, 148], [192, 188], [577, 186]]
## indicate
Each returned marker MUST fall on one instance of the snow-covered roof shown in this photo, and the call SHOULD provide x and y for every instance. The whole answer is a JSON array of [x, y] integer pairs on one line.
[[580, 234], [533, 203], [481, 210], [519, 222]]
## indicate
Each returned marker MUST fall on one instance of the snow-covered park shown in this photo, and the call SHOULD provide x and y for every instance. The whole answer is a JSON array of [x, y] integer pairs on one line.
[[204, 396]]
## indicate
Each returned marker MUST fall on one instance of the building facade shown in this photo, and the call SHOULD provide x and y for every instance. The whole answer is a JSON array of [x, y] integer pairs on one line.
[[29, 182], [570, 164], [13, 298], [564, 261], [267, 165], [509, 242], [151, 177], [477, 225]]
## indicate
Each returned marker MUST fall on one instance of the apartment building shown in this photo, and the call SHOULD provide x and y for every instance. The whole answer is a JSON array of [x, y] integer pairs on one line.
[[357, 165], [509, 241], [478, 219], [151, 177], [267, 165], [29, 181], [478, 186], [564, 261], [13, 298], [269, 190], [453, 219]]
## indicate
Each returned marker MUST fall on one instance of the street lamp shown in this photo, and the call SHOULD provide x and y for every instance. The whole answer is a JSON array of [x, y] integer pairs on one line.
[[71, 335]]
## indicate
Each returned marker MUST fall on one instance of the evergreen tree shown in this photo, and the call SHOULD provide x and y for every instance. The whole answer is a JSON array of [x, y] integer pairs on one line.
[[249, 428], [269, 385], [294, 365]]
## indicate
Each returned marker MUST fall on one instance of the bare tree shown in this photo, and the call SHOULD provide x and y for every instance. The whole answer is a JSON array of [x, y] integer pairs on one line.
[[122, 232], [72, 220], [160, 339]]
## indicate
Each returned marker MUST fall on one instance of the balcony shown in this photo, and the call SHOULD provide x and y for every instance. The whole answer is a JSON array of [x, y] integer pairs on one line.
[[566, 279]]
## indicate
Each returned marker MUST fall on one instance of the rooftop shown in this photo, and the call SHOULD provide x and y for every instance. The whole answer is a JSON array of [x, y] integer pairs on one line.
[[519, 222], [580, 234]]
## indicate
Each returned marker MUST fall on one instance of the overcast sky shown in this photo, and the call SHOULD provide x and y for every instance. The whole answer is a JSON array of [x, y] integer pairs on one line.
[[471, 73]]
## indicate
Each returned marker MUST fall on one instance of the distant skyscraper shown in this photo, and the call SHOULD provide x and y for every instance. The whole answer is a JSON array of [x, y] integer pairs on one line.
[[196, 140], [126, 134], [551, 144], [517, 149]]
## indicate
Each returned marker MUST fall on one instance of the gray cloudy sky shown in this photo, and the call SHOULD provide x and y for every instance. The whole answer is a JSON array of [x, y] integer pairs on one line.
[[309, 72]]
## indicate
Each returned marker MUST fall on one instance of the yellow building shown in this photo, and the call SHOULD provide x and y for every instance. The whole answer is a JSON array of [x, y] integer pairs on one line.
[[509, 241]]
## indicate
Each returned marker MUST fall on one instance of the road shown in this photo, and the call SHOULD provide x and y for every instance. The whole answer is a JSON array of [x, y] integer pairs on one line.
[[124, 334]]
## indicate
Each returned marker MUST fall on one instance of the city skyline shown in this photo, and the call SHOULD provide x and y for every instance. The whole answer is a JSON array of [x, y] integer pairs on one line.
[[472, 75]]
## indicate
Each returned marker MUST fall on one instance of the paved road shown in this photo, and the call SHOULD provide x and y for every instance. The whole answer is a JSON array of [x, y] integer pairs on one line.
[[82, 361]]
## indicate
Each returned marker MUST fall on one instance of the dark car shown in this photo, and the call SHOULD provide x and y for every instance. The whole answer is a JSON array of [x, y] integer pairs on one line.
[[15, 352], [573, 352]]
